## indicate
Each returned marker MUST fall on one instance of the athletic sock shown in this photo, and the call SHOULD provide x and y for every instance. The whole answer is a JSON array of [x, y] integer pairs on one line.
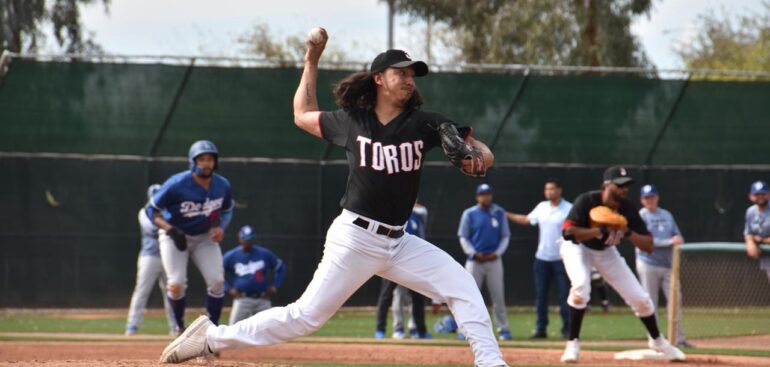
[[214, 308], [575, 321], [652, 325], [178, 306]]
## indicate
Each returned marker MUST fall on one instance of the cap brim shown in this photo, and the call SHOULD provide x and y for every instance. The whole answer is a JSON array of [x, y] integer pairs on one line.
[[649, 194], [420, 68], [760, 192], [622, 180]]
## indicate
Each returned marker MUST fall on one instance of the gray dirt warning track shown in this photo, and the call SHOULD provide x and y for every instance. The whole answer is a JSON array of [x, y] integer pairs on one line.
[[141, 354]]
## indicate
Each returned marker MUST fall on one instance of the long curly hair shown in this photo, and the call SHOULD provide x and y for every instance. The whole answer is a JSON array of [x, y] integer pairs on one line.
[[358, 93]]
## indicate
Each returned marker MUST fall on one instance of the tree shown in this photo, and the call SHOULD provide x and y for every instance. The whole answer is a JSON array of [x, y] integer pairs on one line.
[[557, 32], [21, 22], [726, 42], [259, 41]]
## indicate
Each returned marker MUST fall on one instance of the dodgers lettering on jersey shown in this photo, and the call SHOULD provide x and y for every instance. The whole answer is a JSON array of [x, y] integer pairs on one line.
[[757, 222], [190, 207], [149, 235], [484, 228], [662, 226], [416, 223], [247, 271], [385, 161]]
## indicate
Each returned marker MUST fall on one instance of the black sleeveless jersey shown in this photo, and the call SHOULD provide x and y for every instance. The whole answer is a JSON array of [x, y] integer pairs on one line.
[[384, 161]]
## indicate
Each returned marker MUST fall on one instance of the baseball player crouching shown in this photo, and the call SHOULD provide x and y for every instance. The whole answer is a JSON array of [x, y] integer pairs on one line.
[[247, 267], [192, 210], [597, 222]]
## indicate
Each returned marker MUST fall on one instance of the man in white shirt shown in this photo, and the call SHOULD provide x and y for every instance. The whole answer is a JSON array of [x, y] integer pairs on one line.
[[548, 215]]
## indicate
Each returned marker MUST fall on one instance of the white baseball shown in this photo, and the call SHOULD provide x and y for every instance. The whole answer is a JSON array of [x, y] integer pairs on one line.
[[315, 36]]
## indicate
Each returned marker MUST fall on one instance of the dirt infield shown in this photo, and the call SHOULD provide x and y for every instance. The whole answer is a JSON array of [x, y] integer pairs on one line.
[[141, 354]]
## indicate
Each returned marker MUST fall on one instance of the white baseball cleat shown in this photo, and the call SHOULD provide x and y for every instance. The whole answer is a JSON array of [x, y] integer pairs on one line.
[[192, 343], [571, 352], [662, 345]]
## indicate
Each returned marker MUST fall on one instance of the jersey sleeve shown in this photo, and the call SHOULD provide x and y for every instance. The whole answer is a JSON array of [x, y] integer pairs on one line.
[[162, 198], [464, 230], [335, 126], [674, 226], [532, 217], [505, 230]]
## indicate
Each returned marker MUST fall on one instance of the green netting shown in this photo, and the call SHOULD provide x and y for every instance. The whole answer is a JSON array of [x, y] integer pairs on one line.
[[718, 123], [84, 107], [586, 119]]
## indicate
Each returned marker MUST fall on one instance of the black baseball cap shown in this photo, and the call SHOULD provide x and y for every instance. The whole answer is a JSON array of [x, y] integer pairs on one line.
[[397, 59], [617, 175]]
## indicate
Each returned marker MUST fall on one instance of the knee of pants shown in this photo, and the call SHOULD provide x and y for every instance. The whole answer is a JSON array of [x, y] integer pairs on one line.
[[642, 306], [579, 295], [310, 319], [216, 288], [176, 290]]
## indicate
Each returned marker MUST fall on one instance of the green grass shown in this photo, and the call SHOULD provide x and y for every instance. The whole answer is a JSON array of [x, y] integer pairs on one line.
[[620, 324]]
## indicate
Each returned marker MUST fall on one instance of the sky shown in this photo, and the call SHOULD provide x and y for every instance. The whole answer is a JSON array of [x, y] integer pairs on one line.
[[359, 27]]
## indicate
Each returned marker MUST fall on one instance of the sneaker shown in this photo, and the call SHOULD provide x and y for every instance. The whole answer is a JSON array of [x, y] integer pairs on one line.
[[662, 345], [571, 352], [539, 335], [131, 330], [191, 344], [399, 334], [413, 333], [379, 334], [505, 335], [460, 336]]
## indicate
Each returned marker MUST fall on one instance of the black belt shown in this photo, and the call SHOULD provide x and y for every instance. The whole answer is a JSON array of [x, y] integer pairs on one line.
[[385, 231]]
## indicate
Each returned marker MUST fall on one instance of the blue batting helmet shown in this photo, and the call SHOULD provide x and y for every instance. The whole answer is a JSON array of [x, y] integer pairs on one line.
[[246, 233], [152, 190], [202, 147]]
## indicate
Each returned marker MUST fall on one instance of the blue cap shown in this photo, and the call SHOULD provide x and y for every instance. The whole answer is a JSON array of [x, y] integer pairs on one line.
[[483, 189], [759, 187], [648, 190], [246, 233]]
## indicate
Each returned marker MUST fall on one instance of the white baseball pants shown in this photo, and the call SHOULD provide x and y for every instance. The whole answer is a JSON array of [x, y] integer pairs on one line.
[[149, 271], [654, 279], [578, 260], [205, 253], [351, 256]]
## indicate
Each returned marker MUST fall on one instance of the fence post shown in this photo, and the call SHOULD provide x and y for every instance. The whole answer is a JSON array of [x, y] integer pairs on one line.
[[508, 113], [170, 114], [666, 122]]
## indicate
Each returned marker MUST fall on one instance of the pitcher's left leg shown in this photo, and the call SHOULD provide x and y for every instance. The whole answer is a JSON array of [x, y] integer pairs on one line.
[[420, 266]]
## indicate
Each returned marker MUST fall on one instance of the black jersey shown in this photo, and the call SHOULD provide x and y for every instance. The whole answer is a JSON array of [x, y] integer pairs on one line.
[[384, 161], [579, 216]]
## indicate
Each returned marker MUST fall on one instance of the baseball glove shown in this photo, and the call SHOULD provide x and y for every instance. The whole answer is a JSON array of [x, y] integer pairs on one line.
[[459, 152], [604, 216], [180, 240]]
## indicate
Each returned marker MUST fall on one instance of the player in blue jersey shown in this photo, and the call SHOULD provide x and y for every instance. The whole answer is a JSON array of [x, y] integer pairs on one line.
[[484, 235], [247, 267], [192, 210], [756, 231], [149, 270]]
